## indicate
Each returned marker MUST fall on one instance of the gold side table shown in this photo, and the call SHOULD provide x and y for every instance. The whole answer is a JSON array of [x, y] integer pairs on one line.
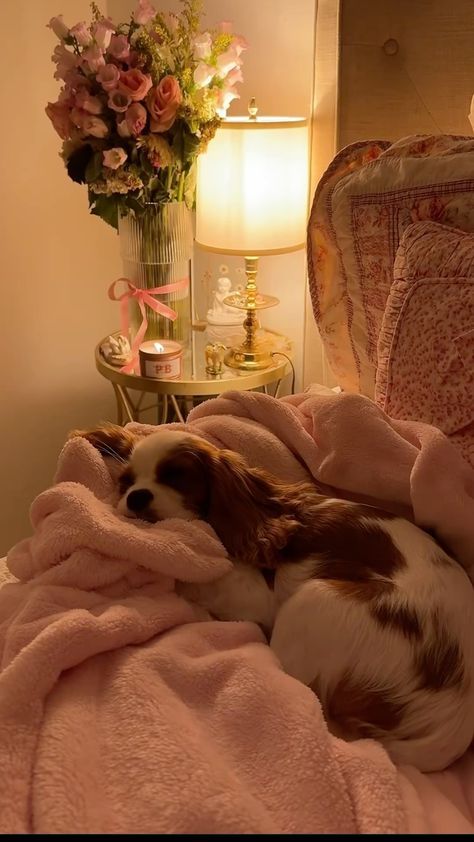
[[175, 398]]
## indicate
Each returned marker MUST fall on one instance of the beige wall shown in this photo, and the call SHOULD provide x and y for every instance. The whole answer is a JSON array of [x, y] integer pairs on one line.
[[278, 71], [55, 263], [424, 87]]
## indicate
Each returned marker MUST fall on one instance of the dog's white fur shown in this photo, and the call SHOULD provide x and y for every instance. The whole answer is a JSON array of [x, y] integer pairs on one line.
[[324, 637]]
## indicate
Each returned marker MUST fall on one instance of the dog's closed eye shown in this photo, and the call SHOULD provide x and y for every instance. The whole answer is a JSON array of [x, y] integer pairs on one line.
[[126, 480]]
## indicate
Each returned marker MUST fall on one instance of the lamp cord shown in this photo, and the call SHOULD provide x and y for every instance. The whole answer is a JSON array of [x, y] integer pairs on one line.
[[281, 354]]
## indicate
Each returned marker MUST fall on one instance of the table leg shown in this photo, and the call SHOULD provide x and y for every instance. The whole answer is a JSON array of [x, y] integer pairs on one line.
[[164, 409], [177, 410], [127, 405], [276, 393], [118, 401]]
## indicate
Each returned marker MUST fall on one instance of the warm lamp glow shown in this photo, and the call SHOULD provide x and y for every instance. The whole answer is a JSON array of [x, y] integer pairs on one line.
[[252, 187]]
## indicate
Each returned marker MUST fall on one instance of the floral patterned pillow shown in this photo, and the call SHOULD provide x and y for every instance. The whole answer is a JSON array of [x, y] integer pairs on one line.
[[369, 195], [426, 343]]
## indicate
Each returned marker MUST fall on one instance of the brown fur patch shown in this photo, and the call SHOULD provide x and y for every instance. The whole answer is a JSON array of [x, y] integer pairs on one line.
[[397, 616], [183, 471], [363, 590], [439, 662], [126, 480], [265, 522], [347, 549], [110, 440], [363, 711]]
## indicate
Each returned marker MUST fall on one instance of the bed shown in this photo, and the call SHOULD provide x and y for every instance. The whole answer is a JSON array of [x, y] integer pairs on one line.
[[121, 709]]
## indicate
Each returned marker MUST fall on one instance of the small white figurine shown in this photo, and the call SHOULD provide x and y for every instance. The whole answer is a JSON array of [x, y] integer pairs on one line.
[[116, 350], [221, 313]]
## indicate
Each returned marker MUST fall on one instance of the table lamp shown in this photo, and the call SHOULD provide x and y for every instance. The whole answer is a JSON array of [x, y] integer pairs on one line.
[[252, 185]]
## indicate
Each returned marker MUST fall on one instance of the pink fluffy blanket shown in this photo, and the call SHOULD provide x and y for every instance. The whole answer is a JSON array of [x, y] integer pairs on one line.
[[124, 710]]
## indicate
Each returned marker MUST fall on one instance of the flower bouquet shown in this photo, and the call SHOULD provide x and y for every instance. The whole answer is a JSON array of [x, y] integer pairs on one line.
[[139, 101]]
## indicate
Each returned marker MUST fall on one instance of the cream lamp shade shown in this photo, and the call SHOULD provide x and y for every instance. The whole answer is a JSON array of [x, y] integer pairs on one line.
[[252, 187]]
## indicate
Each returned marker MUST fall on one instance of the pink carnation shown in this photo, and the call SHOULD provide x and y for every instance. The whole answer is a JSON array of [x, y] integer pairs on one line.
[[163, 103], [108, 76], [119, 47], [102, 32], [144, 12], [118, 101], [94, 57], [64, 60], [135, 118], [91, 104], [134, 83], [60, 29], [59, 114], [81, 33]]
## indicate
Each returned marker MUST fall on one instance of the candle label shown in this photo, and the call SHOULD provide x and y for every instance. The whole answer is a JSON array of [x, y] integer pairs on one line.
[[163, 369]]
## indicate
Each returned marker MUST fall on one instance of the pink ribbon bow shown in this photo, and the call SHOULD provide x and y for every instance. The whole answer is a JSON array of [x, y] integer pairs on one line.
[[142, 297]]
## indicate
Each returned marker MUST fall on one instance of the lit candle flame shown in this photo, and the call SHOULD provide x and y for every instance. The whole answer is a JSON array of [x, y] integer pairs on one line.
[[159, 348]]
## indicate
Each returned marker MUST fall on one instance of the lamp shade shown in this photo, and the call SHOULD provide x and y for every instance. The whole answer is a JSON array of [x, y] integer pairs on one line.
[[252, 187]]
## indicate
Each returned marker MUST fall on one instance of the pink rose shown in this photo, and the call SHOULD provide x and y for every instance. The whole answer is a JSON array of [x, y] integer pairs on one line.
[[114, 158], [163, 103], [94, 126], [118, 101], [102, 32], [134, 83], [119, 47], [81, 33], [144, 12], [59, 27], [108, 76], [59, 114], [135, 118], [91, 104], [94, 57]]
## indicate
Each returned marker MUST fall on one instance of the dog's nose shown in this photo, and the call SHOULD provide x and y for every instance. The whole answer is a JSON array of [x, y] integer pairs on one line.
[[139, 499]]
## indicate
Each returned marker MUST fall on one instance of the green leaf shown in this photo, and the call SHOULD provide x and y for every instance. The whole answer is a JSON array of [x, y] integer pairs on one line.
[[134, 204], [106, 207], [94, 168], [191, 145]]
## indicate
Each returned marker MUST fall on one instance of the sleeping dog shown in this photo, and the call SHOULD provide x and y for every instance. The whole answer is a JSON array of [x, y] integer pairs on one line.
[[359, 604]]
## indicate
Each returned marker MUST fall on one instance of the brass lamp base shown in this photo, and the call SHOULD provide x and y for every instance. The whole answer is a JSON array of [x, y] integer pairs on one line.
[[251, 355], [248, 359]]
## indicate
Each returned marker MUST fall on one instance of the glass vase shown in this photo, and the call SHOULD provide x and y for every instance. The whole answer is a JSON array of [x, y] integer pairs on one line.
[[156, 249]]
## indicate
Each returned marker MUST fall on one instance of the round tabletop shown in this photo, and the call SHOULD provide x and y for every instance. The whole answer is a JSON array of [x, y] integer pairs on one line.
[[195, 381]]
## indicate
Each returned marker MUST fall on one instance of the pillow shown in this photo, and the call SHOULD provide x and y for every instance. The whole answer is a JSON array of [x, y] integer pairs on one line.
[[426, 343], [370, 194]]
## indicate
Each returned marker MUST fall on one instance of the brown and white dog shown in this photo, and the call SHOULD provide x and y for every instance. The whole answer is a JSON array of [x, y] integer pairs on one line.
[[359, 604]]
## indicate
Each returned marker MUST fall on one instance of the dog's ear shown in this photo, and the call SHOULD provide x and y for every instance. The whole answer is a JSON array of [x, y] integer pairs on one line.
[[109, 439]]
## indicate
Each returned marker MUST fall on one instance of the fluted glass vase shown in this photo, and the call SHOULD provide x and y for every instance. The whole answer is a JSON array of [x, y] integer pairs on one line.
[[156, 249]]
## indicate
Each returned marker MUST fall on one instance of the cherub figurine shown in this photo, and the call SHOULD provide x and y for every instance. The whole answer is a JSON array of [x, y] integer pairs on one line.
[[221, 313]]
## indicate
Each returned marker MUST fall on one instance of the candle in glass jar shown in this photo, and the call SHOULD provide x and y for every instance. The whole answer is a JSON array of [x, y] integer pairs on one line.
[[161, 359]]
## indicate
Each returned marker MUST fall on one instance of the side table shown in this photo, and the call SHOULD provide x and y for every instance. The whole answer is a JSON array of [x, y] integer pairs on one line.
[[173, 399]]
